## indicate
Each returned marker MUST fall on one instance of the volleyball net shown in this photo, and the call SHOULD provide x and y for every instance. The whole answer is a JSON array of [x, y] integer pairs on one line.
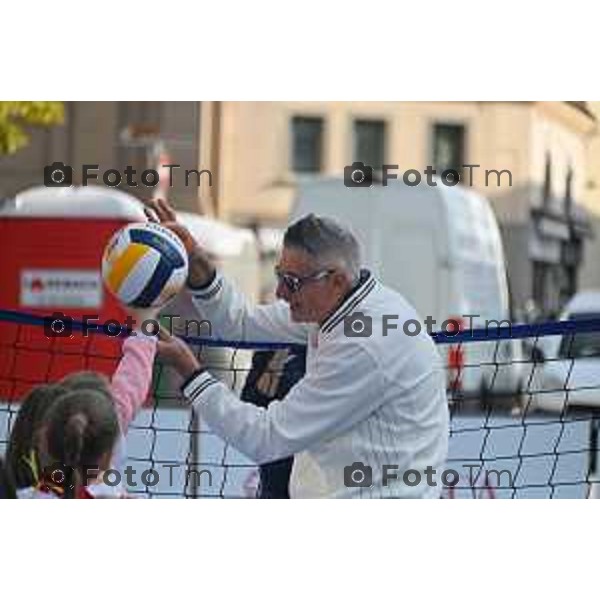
[[524, 406]]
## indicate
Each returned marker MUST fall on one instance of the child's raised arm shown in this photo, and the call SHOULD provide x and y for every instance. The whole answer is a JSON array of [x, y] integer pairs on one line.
[[131, 381]]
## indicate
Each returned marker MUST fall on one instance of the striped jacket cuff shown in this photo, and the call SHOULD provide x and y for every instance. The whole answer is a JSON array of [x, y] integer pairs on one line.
[[198, 383], [208, 291]]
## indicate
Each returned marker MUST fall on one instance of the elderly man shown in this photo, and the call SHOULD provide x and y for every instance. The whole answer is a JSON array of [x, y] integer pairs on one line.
[[370, 417]]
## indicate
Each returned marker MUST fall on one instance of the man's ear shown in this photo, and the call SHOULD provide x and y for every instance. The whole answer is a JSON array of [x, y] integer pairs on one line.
[[341, 281]]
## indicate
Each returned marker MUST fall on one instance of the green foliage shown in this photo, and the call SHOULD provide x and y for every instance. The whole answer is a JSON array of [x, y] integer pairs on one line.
[[16, 116]]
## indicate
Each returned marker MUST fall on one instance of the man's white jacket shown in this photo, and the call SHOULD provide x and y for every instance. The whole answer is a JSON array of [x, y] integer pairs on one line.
[[369, 413]]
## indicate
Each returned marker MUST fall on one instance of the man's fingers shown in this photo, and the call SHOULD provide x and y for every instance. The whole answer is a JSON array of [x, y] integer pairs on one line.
[[167, 209], [167, 217], [158, 210], [151, 216], [164, 210], [162, 348]]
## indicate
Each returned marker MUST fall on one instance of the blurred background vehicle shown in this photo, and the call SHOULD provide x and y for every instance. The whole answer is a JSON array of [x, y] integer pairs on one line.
[[566, 373], [441, 248]]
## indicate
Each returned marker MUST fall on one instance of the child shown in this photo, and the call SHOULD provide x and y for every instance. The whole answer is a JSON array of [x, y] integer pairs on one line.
[[129, 386], [131, 381], [81, 431], [22, 458], [128, 389]]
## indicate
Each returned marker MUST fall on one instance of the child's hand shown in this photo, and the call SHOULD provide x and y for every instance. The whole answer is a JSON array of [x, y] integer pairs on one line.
[[175, 352]]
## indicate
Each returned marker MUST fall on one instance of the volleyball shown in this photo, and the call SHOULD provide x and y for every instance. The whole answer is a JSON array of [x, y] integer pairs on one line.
[[144, 265]]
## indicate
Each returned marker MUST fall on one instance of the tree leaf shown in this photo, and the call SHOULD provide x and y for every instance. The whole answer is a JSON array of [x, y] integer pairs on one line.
[[16, 116]]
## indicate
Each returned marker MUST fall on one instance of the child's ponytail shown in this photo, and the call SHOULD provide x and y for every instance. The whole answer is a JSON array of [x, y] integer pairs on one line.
[[82, 430], [75, 431]]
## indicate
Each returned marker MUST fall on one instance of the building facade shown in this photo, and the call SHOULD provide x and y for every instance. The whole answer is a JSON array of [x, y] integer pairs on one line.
[[536, 165], [590, 273], [114, 135], [259, 152]]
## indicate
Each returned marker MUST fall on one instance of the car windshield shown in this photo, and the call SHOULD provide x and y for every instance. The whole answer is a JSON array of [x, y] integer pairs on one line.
[[581, 345]]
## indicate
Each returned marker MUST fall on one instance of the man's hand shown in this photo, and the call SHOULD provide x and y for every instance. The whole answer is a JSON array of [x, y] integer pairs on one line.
[[201, 269], [175, 352]]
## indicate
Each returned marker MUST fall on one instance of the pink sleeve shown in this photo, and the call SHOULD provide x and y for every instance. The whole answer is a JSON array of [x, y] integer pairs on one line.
[[132, 379]]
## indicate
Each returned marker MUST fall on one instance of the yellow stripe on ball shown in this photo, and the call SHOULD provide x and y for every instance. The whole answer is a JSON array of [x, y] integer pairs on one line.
[[123, 265]]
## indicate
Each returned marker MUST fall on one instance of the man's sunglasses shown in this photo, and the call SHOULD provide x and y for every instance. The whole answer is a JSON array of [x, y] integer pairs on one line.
[[295, 283]]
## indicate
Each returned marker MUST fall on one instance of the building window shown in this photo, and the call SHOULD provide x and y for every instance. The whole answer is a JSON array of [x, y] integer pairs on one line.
[[569, 192], [307, 144], [369, 142], [547, 180], [140, 119], [448, 147]]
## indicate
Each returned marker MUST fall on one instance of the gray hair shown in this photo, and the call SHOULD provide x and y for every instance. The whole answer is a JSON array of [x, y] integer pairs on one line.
[[328, 242]]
